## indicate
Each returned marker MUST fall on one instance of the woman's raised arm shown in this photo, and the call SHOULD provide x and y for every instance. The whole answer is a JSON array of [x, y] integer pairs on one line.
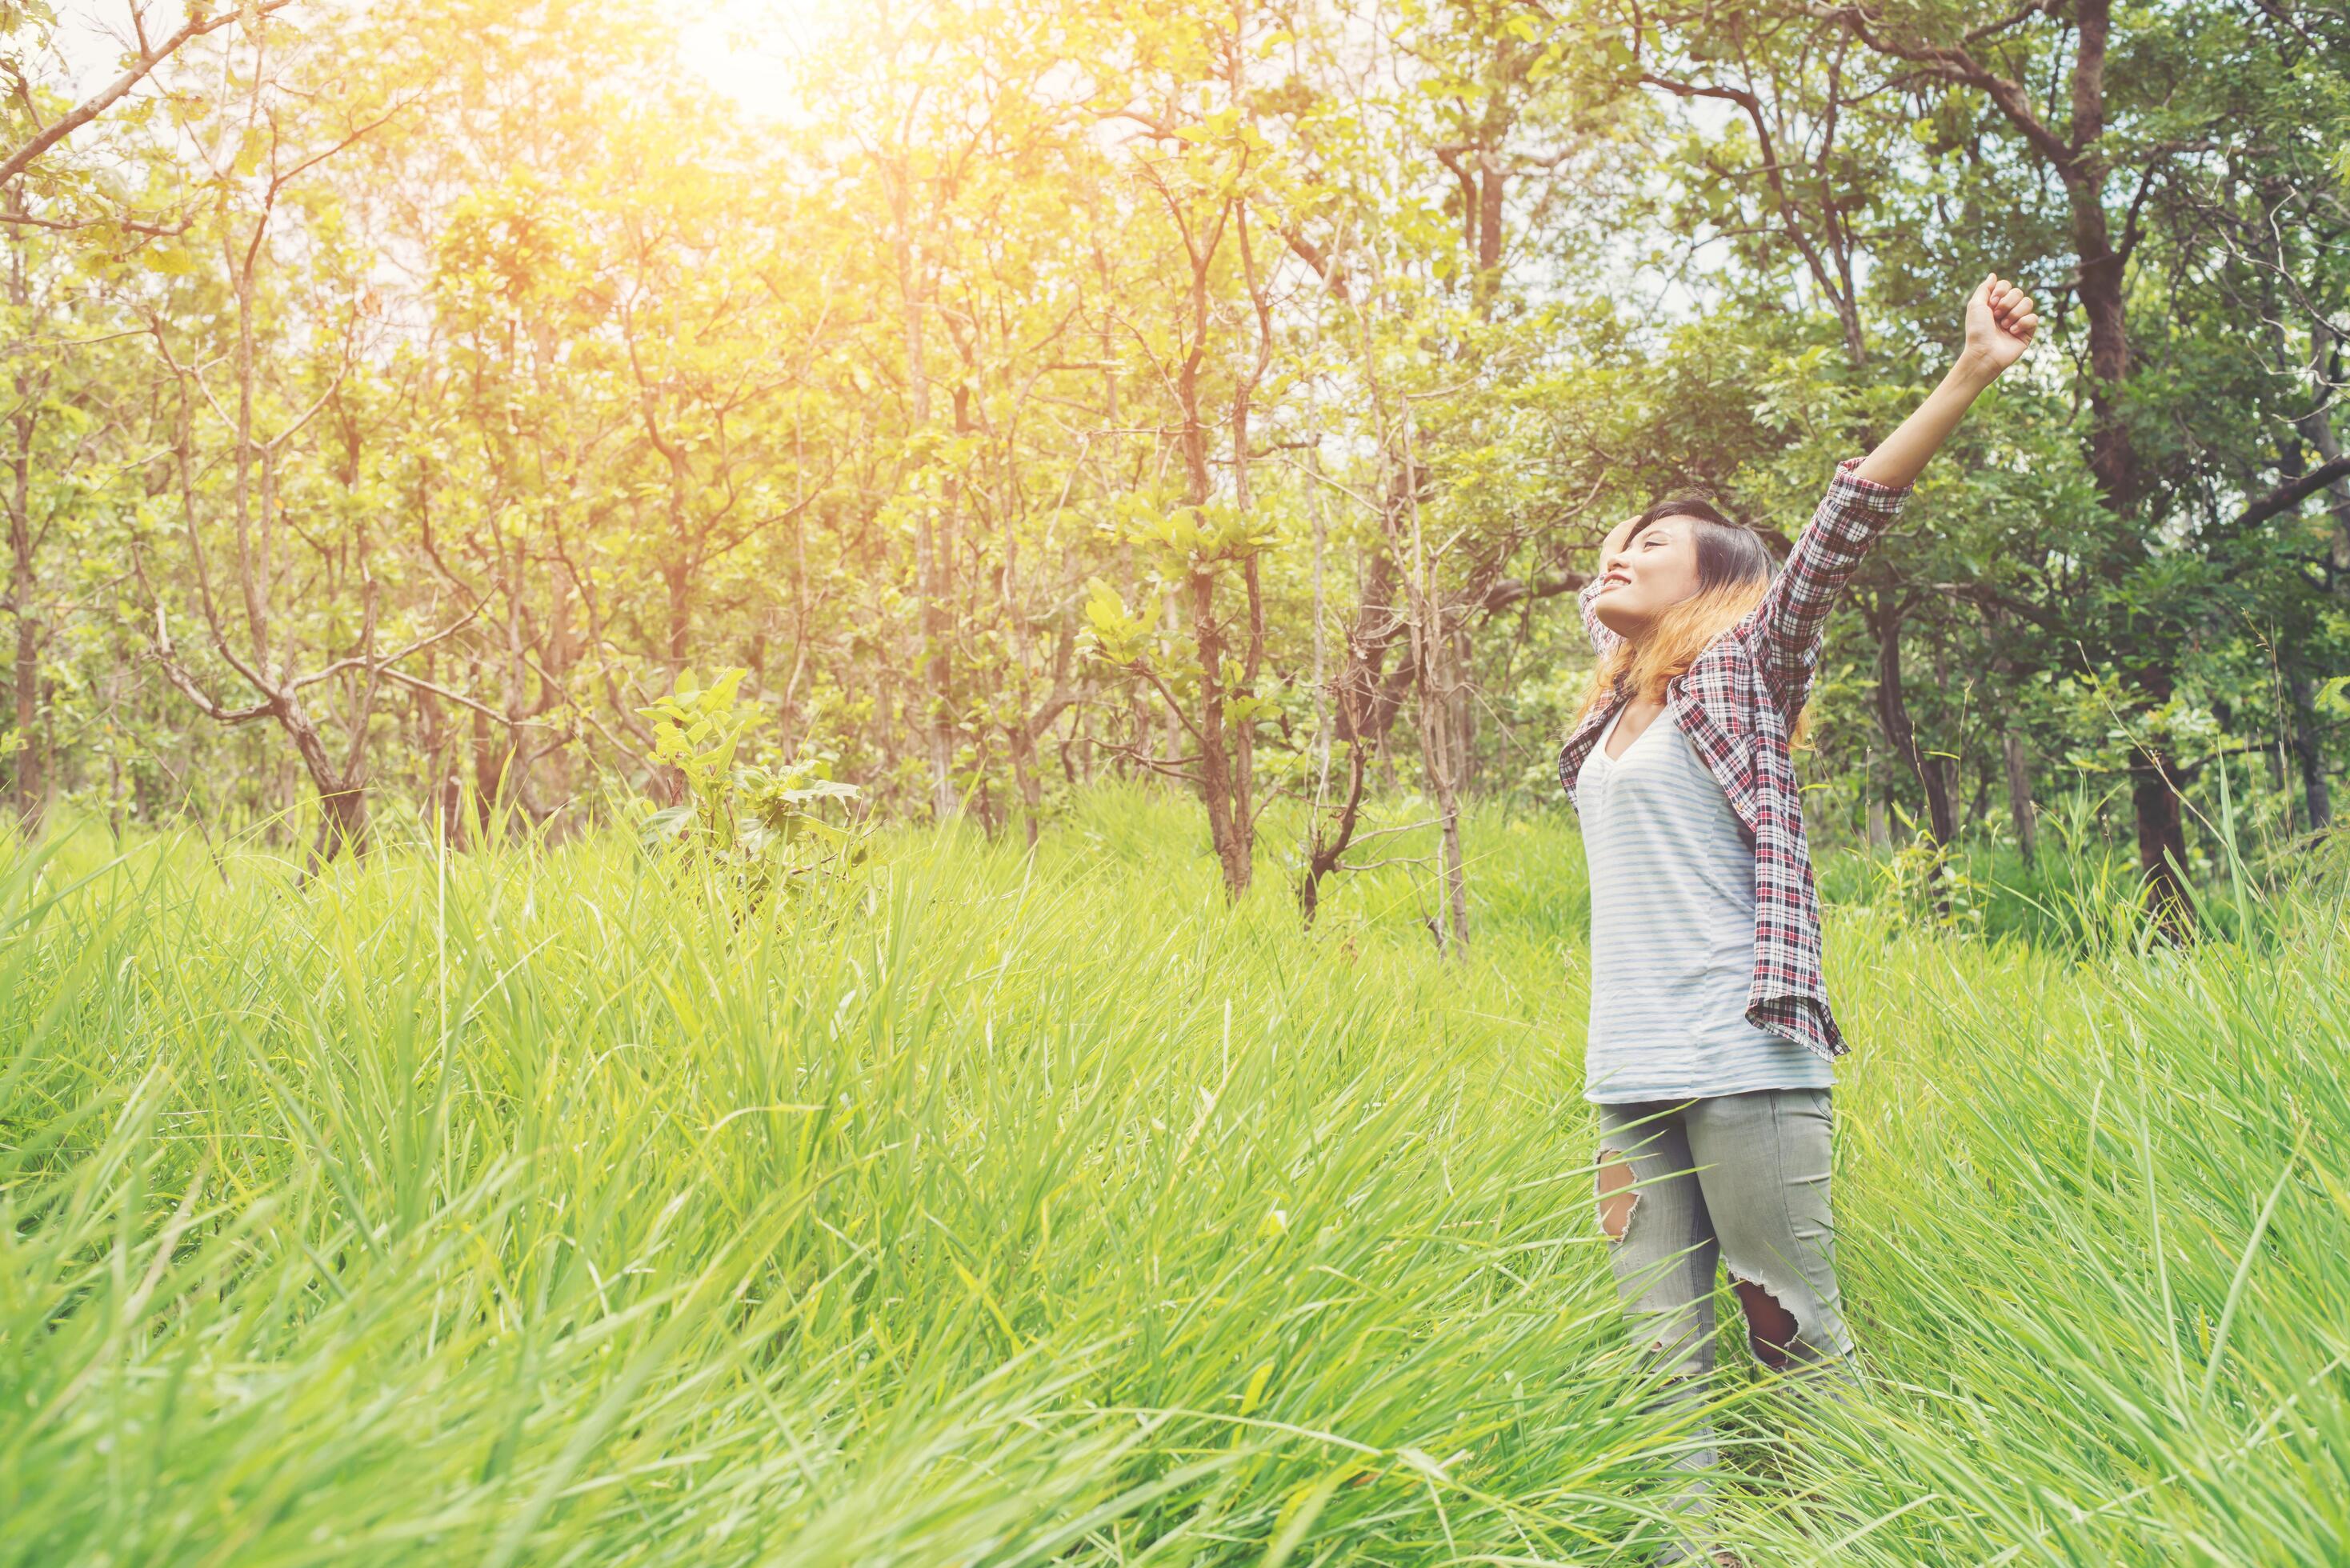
[[1864, 494], [1602, 638], [2000, 325]]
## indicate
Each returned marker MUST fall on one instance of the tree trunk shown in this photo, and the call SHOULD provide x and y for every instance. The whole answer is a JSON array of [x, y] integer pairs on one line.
[[1431, 644], [1023, 776], [1171, 726], [1440, 736], [343, 797], [2308, 749], [1361, 703], [2318, 427], [342, 825], [677, 580], [2103, 284], [1464, 710], [938, 631], [1309, 884], [491, 759], [118, 778], [1226, 834], [1892, 717], [2161, 843], [31, 787], [2019, 808], [30, 775], [929, 548], [1872, 792]]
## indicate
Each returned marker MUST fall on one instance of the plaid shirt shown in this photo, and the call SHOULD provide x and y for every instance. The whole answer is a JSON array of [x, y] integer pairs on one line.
[[1736, 704]]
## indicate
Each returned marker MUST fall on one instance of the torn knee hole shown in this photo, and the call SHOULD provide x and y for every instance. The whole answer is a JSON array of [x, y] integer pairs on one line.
[[1770, 1328], [1617, 1197]]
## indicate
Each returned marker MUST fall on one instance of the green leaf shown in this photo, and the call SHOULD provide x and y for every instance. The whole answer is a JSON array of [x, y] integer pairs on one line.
[[721, 693], [669, 824]]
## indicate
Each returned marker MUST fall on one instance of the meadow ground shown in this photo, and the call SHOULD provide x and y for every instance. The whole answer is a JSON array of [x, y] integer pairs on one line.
[[531, 1209]]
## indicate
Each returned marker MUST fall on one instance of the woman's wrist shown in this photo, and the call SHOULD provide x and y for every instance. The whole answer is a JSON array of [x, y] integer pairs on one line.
[[1972, 372]]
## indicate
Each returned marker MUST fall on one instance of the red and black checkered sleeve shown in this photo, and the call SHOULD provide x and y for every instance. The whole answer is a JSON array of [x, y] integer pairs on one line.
[[1792, 616], [1602, 639]]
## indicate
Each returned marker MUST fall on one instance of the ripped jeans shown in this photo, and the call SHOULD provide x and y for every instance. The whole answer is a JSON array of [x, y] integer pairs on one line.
[[1738, 1178]]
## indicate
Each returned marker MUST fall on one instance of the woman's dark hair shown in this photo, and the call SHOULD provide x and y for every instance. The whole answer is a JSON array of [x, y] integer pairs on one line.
[[1728, 554]]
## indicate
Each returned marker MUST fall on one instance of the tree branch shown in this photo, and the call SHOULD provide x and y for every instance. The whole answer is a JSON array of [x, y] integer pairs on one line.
[[90, 109], [2293, 493], [357, 659], [1957, 65]]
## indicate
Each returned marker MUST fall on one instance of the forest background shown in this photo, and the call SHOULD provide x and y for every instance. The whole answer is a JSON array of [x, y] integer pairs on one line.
[[402, 398]]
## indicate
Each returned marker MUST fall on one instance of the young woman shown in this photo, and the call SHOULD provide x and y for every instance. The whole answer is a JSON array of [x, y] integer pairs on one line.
[[1710, 1038]]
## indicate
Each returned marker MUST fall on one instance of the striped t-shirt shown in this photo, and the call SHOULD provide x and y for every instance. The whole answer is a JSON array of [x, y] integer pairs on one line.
[[1672, 931]]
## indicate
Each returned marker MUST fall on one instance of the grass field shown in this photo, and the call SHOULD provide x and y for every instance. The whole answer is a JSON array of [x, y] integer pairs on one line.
[[532, 1209]]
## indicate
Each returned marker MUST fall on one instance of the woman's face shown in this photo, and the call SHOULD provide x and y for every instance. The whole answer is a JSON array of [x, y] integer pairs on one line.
[[1654, 570]]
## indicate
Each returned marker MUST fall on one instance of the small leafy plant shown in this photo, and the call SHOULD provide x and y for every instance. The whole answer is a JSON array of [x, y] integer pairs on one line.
[[1931, 885], [761, 822]]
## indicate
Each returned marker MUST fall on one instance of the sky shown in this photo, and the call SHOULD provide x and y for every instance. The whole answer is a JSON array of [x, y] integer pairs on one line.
[[738, 45], [742, 47]]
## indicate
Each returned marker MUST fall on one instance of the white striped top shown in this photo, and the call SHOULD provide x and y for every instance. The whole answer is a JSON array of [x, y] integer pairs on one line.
[[1673, 930]]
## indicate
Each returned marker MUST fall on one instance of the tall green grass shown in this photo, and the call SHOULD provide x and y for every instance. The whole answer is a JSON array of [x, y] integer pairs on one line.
[[543, 1207]]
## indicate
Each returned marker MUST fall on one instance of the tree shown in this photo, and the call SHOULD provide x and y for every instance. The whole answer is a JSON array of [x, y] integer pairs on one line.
[[2114, 133], [262, 146]]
